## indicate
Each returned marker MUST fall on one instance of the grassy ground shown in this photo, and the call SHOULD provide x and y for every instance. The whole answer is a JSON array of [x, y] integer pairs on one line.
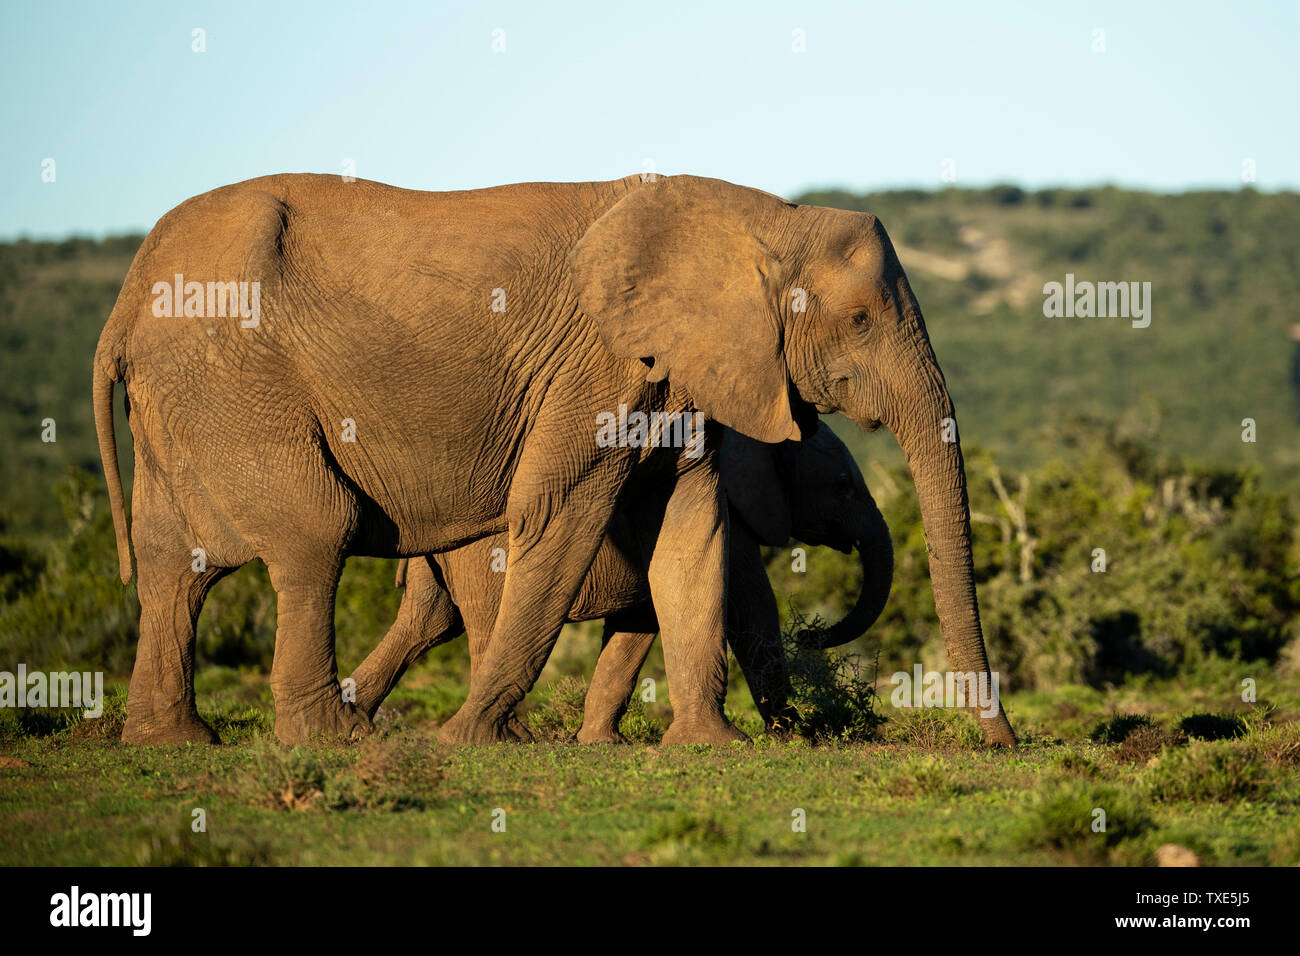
[[1170, 763]]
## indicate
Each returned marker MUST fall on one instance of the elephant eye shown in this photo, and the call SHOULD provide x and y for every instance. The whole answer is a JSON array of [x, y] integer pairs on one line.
[[861, 318]]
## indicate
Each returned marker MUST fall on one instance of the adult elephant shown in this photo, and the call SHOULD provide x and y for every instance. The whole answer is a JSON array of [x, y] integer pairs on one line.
[[421, 370], [810, 490]]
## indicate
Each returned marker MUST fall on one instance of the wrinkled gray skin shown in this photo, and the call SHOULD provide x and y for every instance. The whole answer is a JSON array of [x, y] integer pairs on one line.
[[812, 491], [376, 308]]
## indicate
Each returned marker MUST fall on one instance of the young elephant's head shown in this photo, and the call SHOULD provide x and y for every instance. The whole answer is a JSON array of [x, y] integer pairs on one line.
[[764, 310], [813, 491]]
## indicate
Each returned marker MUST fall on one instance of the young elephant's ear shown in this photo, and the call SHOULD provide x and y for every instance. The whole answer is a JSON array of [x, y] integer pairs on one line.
[[675, 272], [755, 486]]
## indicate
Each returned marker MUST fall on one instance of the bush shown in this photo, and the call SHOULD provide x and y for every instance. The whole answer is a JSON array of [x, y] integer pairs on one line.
[[638, 726], [933, 728], [831, 696], [1147, 742], [1210, 772], [383, 773], [1200, 565], [1212, 726], [68, 608], [559, 715], [1064, 814], [1119, 728]]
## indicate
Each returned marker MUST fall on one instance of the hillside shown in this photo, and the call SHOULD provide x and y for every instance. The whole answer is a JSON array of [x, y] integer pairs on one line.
[[1224, 270]]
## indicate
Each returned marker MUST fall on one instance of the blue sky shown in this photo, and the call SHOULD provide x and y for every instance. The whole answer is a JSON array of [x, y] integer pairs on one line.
[[414, 95]]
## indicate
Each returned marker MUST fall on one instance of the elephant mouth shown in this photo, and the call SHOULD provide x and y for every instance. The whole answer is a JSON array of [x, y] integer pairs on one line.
[[845, 546]]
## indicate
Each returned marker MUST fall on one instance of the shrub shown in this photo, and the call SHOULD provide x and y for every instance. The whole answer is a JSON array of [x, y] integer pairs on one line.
[[1212, 726], [69, 608], [1146, 742], [559, 715], [1064, 814], [1201, 565], [382, 773], [638, 726], [1118, 728], [1072, 762], [1209, 772], [933, 728], [186, 848], [831, 697]]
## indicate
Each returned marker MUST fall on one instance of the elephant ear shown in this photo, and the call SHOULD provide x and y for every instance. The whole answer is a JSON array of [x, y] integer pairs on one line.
[[755, 486], [674, 272]]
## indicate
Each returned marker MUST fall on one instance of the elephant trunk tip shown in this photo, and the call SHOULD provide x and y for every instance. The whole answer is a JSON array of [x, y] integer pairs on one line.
[[999, 733]]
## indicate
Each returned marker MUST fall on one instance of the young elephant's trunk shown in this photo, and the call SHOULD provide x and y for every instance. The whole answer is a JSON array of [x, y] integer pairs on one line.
[[876, 557]]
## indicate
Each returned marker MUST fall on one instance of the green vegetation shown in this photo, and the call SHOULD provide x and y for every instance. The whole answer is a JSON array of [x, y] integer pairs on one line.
[[923, 792], [1138, 565]]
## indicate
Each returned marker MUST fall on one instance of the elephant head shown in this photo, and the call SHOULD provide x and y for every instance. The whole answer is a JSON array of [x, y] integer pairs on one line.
[[813, 491], [762, 310]]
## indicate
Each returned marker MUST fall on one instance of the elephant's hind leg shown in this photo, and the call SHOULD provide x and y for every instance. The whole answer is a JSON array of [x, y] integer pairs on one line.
[[625, 644], [304, 674], [426, 619], [304, 560], [160, 707]]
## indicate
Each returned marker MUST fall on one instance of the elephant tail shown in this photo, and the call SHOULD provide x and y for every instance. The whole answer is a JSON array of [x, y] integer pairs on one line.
[[108, 371], [401, 573]]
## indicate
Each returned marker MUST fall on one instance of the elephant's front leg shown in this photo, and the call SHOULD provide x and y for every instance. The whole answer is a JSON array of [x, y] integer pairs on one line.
[[688, 586], [556, 526]]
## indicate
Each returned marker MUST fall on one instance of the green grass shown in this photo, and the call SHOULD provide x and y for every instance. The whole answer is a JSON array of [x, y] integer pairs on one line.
[[921, 793]]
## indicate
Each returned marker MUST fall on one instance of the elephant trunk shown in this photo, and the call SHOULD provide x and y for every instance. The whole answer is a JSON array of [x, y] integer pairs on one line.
[[876, 557], [926, 432]]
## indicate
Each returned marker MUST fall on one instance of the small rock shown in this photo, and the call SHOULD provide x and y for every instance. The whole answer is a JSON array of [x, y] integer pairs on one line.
[[1171, 854]]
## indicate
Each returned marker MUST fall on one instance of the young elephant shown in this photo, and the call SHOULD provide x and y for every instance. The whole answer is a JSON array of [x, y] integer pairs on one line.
[[812, 491]]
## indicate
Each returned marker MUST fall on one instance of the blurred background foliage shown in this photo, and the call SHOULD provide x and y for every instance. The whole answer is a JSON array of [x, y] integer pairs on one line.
[[1081, 436]]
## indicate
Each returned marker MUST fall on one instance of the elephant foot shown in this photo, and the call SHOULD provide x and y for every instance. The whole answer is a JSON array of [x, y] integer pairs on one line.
[[476, 729], [368, 702], [326, 718], [180, 724], [517, 731], [697, 731], [602, 734]]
